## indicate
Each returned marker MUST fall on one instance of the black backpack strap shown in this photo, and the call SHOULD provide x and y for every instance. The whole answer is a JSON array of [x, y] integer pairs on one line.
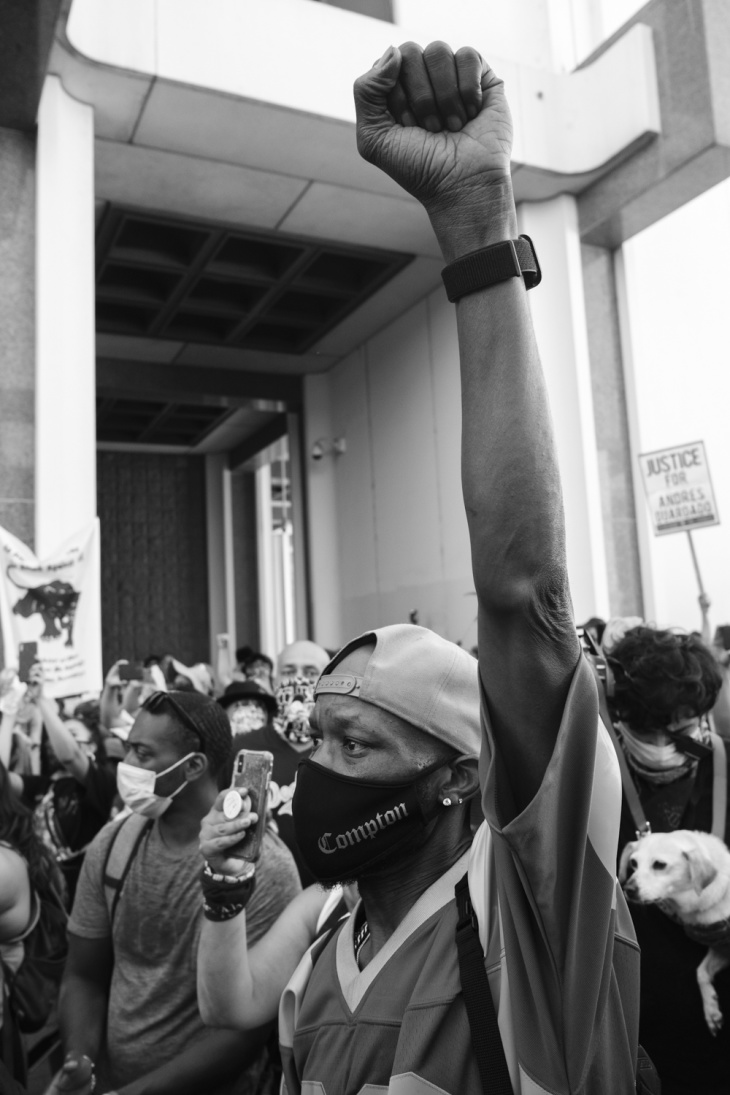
[[120, 855], [486, 1040]]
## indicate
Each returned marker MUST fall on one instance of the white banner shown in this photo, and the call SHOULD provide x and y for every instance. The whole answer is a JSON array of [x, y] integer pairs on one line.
[[56, 603], [678, 488]]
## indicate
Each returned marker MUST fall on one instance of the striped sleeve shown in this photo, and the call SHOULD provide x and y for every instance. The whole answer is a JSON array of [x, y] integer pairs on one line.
[[554, 866]]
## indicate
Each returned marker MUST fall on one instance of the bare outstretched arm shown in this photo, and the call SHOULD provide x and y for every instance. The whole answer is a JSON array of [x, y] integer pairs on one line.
[[439, 124]]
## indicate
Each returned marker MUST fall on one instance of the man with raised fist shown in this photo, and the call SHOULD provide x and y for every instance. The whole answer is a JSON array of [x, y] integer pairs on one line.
[[395, 999]]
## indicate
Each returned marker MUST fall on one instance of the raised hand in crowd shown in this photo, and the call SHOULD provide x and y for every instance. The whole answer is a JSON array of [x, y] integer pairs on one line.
[[66, 749], [439, 125], [250, 997], [120, 699]]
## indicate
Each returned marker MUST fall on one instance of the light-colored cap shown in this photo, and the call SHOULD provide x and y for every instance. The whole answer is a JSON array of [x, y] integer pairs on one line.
[[418, 676]]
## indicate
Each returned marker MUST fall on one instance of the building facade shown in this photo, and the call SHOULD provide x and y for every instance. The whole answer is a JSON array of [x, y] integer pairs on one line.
[[226, 335]]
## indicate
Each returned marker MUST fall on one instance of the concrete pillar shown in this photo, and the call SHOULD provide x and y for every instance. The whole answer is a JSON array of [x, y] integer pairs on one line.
[[219, 539], [612, 433], [65, 436], [558, 310], [302, 621], [17, 323], [324, 562], [642, 525], [271, 640]]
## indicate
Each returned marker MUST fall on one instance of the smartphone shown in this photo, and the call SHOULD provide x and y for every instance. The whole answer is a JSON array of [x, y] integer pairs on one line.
[[722, 636], [252, 770], [129, 672], [27, 656]]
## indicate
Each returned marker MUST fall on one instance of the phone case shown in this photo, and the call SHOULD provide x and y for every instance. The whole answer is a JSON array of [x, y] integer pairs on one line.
[[252, 770]]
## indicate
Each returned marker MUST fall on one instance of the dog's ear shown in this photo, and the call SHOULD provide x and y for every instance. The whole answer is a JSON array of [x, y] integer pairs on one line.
[[702, 870], [623, 867]]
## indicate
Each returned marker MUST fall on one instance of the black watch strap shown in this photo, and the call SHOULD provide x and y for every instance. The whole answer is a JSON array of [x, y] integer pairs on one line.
[[490, 265]]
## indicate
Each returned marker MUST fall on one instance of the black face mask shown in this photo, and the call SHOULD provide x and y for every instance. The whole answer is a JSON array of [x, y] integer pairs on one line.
[[345, 826]]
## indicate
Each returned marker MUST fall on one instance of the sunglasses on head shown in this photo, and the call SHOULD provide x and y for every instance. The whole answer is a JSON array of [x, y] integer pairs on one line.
[[158, 701]]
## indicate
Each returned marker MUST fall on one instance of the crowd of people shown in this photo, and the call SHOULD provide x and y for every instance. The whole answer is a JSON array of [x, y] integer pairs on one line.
[[72, 767], [434, 904]]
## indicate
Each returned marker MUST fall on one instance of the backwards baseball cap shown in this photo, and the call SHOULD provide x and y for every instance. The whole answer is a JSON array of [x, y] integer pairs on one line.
[[415, 674]]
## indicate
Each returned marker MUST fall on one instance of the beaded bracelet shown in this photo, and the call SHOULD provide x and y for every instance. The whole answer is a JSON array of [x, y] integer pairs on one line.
[[229, 879], [226, 895]]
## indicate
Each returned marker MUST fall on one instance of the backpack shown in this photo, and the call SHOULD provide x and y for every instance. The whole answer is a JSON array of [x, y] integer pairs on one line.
[[33, 987], [120, 854], [485, 1037]]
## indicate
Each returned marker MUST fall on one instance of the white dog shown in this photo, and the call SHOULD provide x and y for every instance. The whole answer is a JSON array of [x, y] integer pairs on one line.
[[688, 873]]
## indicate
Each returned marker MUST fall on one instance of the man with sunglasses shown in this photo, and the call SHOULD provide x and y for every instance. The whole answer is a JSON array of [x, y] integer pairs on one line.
[[128, 1006]]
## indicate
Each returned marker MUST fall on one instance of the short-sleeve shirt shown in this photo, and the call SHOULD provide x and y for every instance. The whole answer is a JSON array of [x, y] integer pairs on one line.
[[559, 947], [153, 1009]]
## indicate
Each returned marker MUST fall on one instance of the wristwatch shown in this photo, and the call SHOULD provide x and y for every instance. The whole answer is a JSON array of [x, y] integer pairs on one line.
[[489, 265]]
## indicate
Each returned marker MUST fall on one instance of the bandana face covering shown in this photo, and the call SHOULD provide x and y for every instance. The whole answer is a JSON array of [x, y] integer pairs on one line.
[[660, 763], [247, 717], [136, 788], [345, 826], [295, 698]]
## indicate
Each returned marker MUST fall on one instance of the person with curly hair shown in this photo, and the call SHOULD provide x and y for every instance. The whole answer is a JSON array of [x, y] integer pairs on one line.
[[665, 684], [28, 871]]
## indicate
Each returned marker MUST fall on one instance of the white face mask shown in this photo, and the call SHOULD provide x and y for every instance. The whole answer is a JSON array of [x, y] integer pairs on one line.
[[136, 787]]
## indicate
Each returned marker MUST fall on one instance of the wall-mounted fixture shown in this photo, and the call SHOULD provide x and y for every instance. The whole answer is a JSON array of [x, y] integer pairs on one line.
[[324, 447]]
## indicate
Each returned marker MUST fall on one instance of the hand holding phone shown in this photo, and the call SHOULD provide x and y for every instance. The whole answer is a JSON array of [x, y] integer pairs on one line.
[[251, 774], [219, 834], [232, 831], [27, 657], [129, 672]]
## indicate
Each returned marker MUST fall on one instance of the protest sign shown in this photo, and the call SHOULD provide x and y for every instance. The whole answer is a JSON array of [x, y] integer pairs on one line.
[[54, 602], [678, 488]]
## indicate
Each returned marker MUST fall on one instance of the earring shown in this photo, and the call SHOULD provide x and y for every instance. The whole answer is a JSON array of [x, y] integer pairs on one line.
[[447, 802]]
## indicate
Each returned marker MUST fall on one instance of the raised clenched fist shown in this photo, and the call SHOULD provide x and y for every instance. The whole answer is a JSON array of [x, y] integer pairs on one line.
[[437, 122]]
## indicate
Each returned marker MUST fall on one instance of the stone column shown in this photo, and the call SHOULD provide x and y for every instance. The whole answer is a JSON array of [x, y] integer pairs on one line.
[[65, 436], [558, 310], [17, 324], [324, 562], [612, 433]]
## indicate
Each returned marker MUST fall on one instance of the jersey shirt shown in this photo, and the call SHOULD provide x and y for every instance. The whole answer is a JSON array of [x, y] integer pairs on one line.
[[560, 951]]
